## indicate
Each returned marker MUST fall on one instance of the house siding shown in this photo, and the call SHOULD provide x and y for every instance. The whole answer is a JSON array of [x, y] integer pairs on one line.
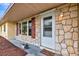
[[2, 33], [9, 30]]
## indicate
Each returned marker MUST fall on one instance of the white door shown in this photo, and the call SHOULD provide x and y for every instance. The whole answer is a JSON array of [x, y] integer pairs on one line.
[[48, 30]]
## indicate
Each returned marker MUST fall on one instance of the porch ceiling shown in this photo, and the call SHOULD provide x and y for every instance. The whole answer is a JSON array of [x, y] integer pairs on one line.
[[22, 10]]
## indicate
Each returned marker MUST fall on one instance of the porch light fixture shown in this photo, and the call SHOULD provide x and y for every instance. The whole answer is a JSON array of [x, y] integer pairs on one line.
[[60, 16]]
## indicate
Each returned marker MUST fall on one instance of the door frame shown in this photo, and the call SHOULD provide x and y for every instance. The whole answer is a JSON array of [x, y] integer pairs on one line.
[[48, 13]]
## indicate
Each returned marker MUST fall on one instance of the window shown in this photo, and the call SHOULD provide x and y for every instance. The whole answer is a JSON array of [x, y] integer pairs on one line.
[[19, 28], [24, 28], [47, 26], [4, 28], [30, 28]]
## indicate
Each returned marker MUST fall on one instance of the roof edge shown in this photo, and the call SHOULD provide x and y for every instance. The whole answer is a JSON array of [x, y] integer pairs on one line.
[[9, 7]]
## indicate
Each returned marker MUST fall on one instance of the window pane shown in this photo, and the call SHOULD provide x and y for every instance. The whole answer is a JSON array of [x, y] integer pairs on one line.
[[19, 28], [4, 28], [30, 27], [47, 26], [24, 28]]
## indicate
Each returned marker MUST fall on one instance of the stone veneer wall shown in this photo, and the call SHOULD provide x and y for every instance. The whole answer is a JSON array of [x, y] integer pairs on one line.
[[67, 29], [38, 30], [78, 28]]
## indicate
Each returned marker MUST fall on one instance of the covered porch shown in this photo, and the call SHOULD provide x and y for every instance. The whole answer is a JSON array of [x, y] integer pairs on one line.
[[49, 26]]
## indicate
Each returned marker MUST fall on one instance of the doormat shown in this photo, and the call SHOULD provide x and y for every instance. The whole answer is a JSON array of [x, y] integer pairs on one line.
[[47, 53]]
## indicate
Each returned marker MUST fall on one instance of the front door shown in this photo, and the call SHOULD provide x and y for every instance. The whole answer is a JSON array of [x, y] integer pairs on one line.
[[48, 30]]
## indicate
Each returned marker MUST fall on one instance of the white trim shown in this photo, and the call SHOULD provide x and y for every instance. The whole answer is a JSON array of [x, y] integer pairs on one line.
[[27, 28], [45, 14], [25, 20]]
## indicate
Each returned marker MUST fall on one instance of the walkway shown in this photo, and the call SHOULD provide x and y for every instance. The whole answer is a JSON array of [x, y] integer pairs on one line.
[[8, 49]]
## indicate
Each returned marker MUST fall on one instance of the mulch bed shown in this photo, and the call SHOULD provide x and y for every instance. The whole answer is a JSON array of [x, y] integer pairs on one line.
[[8, 49]]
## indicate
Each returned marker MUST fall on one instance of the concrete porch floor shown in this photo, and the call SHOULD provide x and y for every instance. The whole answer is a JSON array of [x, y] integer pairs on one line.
[[33, 50], [15, 47]]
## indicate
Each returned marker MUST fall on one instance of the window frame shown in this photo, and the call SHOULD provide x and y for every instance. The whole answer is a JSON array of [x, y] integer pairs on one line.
[[4, 27], [45, 19], [27, 21], [22, 28], [19, 28], [31, 27]]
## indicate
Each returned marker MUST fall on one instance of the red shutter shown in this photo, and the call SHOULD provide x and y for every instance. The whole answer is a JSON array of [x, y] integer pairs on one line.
[[33, 27], [16, 28]]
